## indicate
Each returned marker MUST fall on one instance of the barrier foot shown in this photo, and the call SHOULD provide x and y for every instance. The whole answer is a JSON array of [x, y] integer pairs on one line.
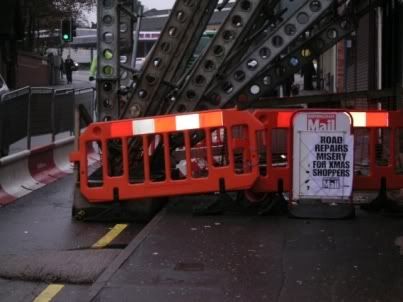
[[114, 211], [383, 202], [276, 205], [315, 209]]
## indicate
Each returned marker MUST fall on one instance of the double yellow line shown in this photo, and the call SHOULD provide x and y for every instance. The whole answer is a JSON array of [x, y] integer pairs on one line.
[[110, 236], [49, 293], [53, 289]]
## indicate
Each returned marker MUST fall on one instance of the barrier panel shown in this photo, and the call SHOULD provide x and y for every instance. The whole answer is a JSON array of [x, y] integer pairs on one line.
[[138, 177], [29, 114], [85, 97], [14, 105], [233, 151], [32, 117], [41, 113], [64, 110]]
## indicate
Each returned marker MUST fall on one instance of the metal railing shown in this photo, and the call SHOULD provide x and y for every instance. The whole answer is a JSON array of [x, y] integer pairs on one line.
[[387, 99], [31, 117]]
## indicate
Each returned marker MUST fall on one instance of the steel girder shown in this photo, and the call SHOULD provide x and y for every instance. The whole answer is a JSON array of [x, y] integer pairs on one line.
[[323, 37], [167, 53], [115, 41], [259, 58], [239, 20], [179, 64]]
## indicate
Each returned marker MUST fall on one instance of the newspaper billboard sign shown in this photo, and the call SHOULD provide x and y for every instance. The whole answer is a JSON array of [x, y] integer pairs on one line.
[[323, 152]]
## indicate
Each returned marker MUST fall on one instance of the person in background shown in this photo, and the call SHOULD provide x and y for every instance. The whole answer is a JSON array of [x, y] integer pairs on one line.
[[94, 64], [93, 69], [68, 69]]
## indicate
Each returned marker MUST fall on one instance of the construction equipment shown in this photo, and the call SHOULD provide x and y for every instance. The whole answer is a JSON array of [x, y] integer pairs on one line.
[[146, 155]]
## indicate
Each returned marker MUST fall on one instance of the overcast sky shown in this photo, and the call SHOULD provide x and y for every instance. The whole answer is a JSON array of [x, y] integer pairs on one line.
[[159, 4]]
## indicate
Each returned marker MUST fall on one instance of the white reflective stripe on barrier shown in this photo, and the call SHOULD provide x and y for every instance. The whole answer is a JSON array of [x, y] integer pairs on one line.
[[186, 122], [359, 119], [144, 127], [370, 119], [16, 179]]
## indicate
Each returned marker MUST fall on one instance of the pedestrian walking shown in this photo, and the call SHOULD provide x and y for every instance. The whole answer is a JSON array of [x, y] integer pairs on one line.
[[68, 69]]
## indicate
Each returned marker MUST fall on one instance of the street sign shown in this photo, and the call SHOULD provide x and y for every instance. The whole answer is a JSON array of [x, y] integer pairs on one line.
[[323, 153]]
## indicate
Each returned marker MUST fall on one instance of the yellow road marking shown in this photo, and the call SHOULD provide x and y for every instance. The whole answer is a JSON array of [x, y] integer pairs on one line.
[[53, 289], [49, 293], [108, 238]]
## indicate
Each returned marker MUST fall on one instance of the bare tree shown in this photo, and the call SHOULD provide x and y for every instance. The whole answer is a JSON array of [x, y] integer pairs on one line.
[[46, 15]]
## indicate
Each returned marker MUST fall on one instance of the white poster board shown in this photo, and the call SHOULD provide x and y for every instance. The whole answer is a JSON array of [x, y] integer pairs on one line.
[[323, 153]]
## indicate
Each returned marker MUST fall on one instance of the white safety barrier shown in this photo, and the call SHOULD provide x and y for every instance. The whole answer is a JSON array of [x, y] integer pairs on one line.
[[27, 171]]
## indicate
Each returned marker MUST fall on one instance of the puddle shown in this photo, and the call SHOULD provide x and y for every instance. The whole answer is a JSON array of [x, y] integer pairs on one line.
[[399, 242]]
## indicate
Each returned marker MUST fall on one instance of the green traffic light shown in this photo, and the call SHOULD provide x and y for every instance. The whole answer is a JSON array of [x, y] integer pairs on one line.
[[65, 37]]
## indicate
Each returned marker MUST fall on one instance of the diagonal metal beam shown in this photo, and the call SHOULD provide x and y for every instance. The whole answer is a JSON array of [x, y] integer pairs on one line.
[[259, 58], [179, 64], [237, 23], [330, 30], [130, 15], [182, 23], [270, 17], [323, 37]]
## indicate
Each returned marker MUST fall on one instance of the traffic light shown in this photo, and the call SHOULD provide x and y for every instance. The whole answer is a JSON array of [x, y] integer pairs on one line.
[[67, 30]]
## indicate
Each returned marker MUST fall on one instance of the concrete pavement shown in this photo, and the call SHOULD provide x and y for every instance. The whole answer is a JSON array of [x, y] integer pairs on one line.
[[80, 80]]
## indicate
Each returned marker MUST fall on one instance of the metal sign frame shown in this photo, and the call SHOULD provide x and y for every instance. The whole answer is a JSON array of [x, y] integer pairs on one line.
[[348, 129]]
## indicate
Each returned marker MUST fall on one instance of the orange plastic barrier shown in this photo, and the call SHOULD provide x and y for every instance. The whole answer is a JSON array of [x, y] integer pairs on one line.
[[135, 177], [223, 150], [378, 150]]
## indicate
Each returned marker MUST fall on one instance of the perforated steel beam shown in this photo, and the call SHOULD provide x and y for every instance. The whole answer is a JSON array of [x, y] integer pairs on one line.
[[240, 19], [130, 15], [322, 38], [269, 18], [259, 58], [115, 39], [180, 62], [267, 14], [184, 19], [108, 69], [192, 39], [140, 11]]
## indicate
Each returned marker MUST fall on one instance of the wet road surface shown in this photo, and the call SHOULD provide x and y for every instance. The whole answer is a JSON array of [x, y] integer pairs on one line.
[[217, 258], [234, 258], [38, 228]]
